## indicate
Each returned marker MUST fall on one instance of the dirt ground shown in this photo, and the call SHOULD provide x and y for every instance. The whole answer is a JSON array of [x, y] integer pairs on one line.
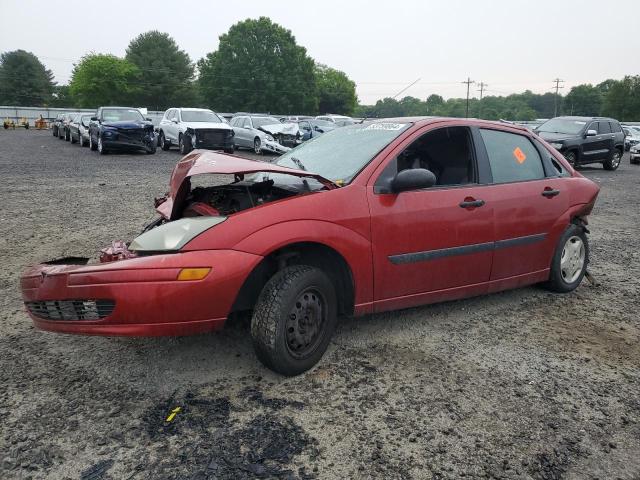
[[521, 384]]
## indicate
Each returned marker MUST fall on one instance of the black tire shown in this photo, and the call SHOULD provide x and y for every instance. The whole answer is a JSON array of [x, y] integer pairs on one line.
[[101, 148], [275, 340], [83, 143], [634, 162], [73, 140], [162, 142], [558, 281], [54, 130], [67, 135], [184, 144], [614, 162], [61, 134], [229, 150], [151, 150], [257, 146], [572, 158], [92, 144]]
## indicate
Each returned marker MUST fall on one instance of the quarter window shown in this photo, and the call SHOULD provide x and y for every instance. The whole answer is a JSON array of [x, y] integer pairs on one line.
[[512, 157]]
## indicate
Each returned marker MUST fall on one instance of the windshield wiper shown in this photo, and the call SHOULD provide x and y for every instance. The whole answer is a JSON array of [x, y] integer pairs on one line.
[[298, 163]]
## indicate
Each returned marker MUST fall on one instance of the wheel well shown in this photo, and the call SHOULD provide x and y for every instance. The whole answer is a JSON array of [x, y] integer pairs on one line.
[[306, 253]]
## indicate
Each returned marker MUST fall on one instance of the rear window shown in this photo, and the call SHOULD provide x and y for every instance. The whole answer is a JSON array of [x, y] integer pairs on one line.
[[512, 157]]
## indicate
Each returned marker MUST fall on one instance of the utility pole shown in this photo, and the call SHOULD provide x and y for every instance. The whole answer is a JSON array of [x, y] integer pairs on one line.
[[468, 82], [555, 100], [481, 90]]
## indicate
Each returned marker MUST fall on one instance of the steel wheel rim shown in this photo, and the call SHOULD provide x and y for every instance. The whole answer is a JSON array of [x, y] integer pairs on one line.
[[571, 158], [572, 259], [162, 141], [256, 145], [306, 323]]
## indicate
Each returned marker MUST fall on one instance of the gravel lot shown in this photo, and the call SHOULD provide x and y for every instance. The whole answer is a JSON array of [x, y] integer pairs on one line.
[[522, 384]]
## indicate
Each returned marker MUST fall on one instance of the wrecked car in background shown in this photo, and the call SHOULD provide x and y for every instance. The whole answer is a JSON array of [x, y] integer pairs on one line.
[[121, 128], [191, 128], [366, 218], [253, 131], [312, 128]]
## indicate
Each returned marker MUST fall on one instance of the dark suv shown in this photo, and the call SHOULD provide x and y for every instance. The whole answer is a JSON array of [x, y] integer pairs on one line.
[[585, 139]]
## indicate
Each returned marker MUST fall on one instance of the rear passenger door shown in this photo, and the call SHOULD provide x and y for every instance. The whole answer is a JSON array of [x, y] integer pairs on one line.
[[595, 148], [529, 202]]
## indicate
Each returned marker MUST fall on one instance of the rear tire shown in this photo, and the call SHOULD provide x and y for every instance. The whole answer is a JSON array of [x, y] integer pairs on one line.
[[294, 319], [162, 142], [570, 260], [257, 146], [614, 162]]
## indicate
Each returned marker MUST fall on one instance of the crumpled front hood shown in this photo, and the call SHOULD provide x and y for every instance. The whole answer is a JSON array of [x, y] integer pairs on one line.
[[554, 137], [198, 125], [206, 161], [281, 128], [127, 125]]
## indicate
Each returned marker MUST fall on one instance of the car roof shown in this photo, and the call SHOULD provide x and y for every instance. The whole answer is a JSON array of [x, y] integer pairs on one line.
[[189, 109], [570, 117], [421, 121]]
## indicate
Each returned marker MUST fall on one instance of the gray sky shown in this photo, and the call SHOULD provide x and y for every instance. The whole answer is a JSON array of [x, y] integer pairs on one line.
[[383, 46]]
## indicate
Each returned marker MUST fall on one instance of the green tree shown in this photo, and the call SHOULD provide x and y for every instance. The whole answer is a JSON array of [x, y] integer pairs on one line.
[[434, 104], [103, 80], [583, 100], [166, 72], [336, 92], [61, 97], [24, 80], [622, 101], [259, 67]]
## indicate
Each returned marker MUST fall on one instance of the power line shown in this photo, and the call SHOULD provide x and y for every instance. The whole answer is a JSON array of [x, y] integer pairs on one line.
[[481, 90], [406, 88], [468, 82], [555, 99]]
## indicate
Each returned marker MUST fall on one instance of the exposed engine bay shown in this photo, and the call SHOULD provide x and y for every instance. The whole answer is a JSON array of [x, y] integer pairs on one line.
[[235, 197]]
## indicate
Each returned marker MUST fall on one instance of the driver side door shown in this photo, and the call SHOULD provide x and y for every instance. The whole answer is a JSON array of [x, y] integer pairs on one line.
[[432, 244]]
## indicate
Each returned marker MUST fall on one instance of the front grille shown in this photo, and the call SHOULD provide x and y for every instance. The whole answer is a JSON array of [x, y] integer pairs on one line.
[[71, 309], [131, 134], [211, 136]]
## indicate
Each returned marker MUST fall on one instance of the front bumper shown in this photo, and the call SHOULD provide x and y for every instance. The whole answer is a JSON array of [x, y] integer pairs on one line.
[[147, 298], [118, 140], [274, 147]]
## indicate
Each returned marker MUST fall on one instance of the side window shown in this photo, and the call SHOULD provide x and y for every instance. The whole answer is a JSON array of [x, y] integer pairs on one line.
[[603, 127], [594, 126], [615, 127], [247, 123], [446, 152], [177, 114], [512, 157]]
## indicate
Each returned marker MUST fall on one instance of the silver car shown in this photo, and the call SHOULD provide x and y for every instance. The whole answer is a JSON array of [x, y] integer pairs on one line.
[[249, 133], [190, 128]]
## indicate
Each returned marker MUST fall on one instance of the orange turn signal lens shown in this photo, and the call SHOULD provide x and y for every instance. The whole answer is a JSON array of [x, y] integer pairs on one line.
[[193, 273]]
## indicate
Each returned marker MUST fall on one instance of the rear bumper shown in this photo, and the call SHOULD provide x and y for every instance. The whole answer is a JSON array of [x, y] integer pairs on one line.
[[149, 300]]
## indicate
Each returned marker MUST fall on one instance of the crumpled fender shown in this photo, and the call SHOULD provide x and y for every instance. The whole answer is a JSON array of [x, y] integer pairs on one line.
[[354, 248]]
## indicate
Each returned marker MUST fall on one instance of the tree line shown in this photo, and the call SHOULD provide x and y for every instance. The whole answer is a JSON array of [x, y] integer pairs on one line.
[[259, 67]]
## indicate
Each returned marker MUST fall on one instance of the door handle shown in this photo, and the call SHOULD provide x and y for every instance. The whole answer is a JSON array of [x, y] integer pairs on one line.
[[471, 203], [550, 192]]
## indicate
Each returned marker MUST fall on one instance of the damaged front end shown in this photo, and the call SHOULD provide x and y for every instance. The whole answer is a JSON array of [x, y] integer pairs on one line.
[[286, 134]]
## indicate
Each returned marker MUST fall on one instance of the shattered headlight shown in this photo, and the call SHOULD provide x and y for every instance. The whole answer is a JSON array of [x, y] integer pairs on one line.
[[172, 236], [270, 138]]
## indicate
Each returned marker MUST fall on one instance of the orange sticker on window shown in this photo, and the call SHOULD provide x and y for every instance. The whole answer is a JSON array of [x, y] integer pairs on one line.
[[520, 156]]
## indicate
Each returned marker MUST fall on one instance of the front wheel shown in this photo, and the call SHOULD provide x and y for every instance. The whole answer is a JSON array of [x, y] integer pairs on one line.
[[184, 144], [229, 150], [257, 145], [294, 319], [151, 150], [92, 144], [101, 149], [570, 260], [72, 138], [614, 162], [572, 158]]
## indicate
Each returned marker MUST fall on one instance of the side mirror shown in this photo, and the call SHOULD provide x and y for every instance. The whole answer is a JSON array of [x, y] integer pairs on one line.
[[94, 119], [591, 133], [412, 179], [148, 119]]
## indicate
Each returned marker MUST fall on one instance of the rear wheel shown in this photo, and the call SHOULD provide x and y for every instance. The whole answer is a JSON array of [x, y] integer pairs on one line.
[[570, 260], [294, 319], [162, 141], [614, 162], [257, 145]]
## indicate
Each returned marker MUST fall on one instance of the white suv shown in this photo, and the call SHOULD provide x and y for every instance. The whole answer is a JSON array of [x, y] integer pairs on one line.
[[190, 128]]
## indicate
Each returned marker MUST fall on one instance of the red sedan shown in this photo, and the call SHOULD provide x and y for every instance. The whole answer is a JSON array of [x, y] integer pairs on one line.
[[371, 217]]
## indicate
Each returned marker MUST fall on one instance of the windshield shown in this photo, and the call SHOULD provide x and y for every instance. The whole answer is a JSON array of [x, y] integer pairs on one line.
[[200, 116], [122, 115], [340, 154], [562, 125], [262, 121]]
